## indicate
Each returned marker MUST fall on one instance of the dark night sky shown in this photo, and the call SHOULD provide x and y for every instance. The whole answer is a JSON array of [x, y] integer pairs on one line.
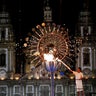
[[32, 13]]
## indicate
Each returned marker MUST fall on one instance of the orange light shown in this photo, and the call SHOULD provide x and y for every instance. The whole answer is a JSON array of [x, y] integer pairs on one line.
[[43, 24]]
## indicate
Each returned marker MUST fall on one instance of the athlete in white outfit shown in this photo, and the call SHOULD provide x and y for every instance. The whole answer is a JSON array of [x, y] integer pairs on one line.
[[78, 80]]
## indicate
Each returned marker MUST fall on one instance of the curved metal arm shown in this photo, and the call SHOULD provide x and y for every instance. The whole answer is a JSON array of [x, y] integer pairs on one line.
[[64, 64]]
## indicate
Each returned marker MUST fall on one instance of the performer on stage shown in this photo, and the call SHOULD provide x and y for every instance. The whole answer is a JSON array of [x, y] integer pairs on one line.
[[78, 80]]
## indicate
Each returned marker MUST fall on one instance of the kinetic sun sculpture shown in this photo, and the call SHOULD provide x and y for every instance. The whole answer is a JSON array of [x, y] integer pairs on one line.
[[49, 45], [48, 36]]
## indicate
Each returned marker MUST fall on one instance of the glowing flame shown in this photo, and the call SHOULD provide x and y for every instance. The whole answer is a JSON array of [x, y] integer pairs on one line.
[[49, 57]]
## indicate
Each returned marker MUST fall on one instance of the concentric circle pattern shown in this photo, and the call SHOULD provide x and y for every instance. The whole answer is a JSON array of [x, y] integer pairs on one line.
[[47, 36]]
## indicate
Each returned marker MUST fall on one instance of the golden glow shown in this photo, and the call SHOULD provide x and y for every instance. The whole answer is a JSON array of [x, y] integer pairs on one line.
[[11, 78], [43, 24], [93, 77], [16, 78], [71, 77], [37, 77], [29, 77], [2, 78], [25, 44], [86, 77], [58, 77]]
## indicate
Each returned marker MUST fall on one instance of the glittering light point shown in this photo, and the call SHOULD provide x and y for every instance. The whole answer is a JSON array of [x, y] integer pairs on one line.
[[2, 78], [25, 44], [58, 77], [37, 77], [71, 77], [43, 24]]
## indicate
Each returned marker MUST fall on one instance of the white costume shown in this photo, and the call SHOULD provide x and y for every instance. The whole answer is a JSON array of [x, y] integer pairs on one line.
[[79, 84]]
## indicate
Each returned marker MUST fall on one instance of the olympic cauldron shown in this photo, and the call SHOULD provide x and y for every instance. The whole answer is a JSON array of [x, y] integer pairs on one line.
[[51, 65]]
